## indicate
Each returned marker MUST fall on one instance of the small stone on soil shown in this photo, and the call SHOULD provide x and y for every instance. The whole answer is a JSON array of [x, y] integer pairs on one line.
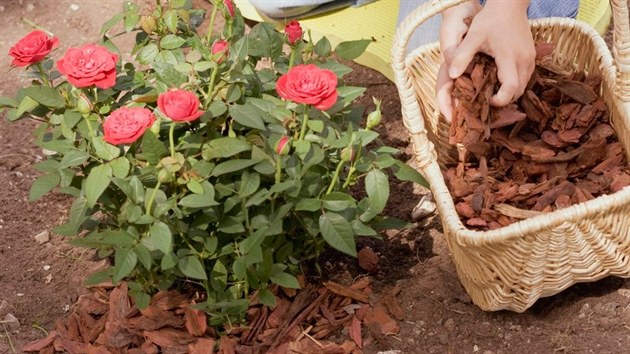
[[42, 237], [74, 7], [11, 322]]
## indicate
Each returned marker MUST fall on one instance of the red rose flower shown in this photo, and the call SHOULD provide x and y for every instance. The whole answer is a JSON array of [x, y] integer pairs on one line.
[[229, 5], [89, 65], [309, 84], [179, 105], [293, 31], [220, 50], [126, 124], [31, 49]]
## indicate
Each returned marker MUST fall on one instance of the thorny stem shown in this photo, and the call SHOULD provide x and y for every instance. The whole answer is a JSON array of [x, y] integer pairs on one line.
[[212, 16], [40, 67], [213, 77], [152, 197], [89, 125], [278, 169], [335, 177], [304, 123], [171, 140], [292, 58]]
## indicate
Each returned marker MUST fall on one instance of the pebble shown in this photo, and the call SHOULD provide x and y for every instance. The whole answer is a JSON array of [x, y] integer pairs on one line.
[[42, 237], [4, 307], [11, 322], [443, 338], [475, 348], [488, 352], [46, 267], [425, 207], [390, 352], [74, 7], [30, 7], [449, 325], [609, 309], [624, 292]]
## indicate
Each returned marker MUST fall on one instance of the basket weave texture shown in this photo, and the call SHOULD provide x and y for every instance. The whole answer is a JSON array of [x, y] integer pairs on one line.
[[512, 267]]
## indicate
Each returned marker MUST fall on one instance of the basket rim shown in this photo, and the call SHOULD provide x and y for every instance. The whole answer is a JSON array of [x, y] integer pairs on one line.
[[522, 228]]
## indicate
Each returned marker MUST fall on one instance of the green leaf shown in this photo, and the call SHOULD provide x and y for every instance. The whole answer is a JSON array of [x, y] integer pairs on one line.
[[26, 105], [45, 95], [168, 74], [232, 166], [147, 54], [125, 261], [249, 184], [352, 49], [192, 267], [170, 19], [77, 217], [98, 277], [338, 233], [338, 201], [171, 41], [316, 125], [8, 102], [195, 187], [285, 280], [322, 47], [43, 185], [267, 298], [131, 20], [361, 229], [97, 182], [152, 148], [405, 172], [247, 115], [339, 69], [224, 147], [160, 238], [112, 22], [203, 66], [349, 93], [264, 41], [120, 167], [105, 150], [308, 204], [198, 201], [141, 299], [144, 256], [73, 157], [168, 261], [377, 188]]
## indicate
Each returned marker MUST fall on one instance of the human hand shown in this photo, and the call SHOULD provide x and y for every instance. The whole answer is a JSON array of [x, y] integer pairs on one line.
[[452, 32], [501, 30]]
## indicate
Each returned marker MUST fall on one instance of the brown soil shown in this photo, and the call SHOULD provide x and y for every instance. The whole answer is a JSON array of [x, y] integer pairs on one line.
[[38, 282]]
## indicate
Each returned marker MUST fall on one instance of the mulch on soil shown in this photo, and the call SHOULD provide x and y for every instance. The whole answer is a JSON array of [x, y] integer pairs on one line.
[[330, 318]]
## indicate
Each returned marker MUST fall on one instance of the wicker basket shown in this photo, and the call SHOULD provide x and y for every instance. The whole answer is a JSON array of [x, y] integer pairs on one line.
[[511, 267]]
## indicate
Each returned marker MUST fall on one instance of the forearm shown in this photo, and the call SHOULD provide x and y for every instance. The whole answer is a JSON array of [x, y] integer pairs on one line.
[[519, 6]]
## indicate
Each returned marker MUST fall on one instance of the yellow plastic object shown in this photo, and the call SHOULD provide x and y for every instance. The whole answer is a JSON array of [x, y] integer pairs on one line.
[[377, 21]]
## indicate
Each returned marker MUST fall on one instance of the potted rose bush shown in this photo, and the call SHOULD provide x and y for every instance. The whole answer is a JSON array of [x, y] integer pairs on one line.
[[222, 159]]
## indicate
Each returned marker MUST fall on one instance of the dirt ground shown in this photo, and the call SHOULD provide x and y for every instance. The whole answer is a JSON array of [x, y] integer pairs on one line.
[[40, 281]]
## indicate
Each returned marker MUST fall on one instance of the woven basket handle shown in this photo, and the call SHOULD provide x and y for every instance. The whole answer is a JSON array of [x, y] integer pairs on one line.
[[621, 47], [412, 117], [411, 111]]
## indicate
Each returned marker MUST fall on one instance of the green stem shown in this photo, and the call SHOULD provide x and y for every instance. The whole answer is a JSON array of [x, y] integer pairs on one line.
[[89, 125], [171, 140], [292, 58], [279, 169], [211, 26], [304, 123], [230, 26], [213, 77], [352, 167], [152, 197], [335, 177], [42, 72]]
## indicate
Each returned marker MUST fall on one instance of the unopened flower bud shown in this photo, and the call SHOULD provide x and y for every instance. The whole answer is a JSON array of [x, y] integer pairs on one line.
[[229, 6], [347, 154], [294, 32], [148, 24], [164, 176], [374, 118], [283, 146], [220, 50], [84, 105]]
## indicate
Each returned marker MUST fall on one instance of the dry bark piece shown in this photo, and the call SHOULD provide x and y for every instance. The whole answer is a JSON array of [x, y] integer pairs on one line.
[[368, 259], [196, 322], [345, 291], [579, 91]]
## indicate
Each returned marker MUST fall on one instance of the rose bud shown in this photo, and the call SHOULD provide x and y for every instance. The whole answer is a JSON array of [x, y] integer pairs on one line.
[[283, 146], [374, 118], [84, 105], [220, 50], [148, 24], [293, 31], [31, 49], [229, 5], [179, 105], [347, 154]]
